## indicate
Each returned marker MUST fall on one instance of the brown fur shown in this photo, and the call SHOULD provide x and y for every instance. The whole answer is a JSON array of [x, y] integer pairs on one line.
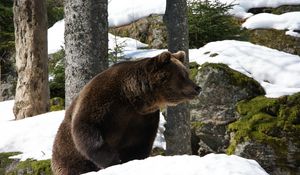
[[115, 117]]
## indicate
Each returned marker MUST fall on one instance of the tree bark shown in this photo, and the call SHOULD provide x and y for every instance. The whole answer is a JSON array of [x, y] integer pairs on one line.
[[32, 92], [178, 133], [86, 43]]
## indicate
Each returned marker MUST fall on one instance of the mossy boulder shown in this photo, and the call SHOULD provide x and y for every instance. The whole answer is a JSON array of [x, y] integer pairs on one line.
[[268, 130], [214, 108], [10, 166]]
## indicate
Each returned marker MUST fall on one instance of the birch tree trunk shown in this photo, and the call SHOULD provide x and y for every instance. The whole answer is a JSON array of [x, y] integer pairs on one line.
[[86, 43], [32, 92], [178, 133]]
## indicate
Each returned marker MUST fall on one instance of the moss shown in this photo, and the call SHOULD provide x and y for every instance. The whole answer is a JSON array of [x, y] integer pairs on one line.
[[194, 68], [197, 124], [235, 77], [273, 121], [56, 104], [6, 161], [33, 167]]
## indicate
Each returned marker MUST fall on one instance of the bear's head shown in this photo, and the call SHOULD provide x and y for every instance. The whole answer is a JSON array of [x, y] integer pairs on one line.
[[169, 79]]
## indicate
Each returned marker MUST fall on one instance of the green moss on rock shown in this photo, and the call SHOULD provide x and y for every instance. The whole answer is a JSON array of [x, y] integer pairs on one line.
[[273, 121], [194, 67], [197, 124]]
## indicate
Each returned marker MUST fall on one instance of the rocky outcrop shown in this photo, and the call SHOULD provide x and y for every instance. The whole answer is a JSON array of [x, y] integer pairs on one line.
[[268, 131], [232, 116], [214, 109], [150, 30]]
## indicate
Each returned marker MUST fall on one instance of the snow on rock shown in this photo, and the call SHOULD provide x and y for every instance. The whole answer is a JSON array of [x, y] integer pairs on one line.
[[121, 12], [287, 21], [32, 136], [278, 72], [241, 7], [211, 164], [56, 39]]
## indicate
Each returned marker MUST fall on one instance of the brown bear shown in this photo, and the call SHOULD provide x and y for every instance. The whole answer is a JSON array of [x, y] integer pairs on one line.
[[115, 117]]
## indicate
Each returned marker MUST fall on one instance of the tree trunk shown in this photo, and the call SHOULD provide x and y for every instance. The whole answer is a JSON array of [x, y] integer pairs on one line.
[[178, 133], [86, 37], [32, 92]]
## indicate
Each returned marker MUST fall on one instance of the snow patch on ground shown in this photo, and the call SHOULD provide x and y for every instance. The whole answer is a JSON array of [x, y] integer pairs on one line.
[[211, 164], [6, 111], [32, 136]]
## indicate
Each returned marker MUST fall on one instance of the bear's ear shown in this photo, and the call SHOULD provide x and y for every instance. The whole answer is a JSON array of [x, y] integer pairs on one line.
[[180, 55], [164, 58]]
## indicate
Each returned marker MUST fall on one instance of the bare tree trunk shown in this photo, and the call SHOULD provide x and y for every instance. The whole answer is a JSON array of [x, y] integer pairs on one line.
[[178, 133], [86, 37], [32, 92]]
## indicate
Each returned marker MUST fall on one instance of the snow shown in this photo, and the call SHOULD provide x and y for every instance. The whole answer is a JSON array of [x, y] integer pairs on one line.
[[241, 7], [122, 12], [278, 72], [32, 136], [6, 111], [287, 21], [56, 39], [211, 164]]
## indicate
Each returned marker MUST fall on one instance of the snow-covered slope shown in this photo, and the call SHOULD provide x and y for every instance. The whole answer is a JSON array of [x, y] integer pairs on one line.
[[211, 164]]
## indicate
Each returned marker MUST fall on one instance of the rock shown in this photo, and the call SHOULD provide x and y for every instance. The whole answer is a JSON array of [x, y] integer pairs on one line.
[[268, 131], [150, 30], [275, 39], [214, 108]]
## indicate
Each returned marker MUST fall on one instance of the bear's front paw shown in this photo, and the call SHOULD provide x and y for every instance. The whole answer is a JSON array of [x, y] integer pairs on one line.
[[107, 157]]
